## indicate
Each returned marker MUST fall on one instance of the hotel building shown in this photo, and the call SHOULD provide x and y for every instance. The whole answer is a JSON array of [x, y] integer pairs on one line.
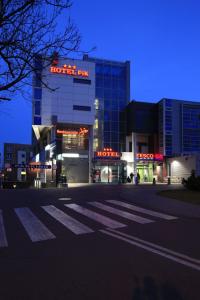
[[77, 128]]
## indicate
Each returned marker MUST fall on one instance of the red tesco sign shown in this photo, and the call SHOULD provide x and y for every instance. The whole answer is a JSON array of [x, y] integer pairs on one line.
[[149, 156]]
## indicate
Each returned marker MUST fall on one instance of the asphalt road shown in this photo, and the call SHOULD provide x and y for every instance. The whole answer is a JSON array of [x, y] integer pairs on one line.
[[77, 244]]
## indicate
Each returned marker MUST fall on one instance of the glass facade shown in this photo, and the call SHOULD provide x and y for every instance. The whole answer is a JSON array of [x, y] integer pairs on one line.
[[191, 128], [112, 96], [37, 92], [160, 128], [74, 142], [179, 127], [168, 126]]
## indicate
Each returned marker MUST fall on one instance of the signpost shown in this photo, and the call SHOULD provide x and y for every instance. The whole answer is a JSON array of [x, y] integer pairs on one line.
[[31, 166]]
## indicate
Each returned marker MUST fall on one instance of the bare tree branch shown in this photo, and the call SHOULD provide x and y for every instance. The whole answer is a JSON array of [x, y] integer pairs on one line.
[[31, 29]]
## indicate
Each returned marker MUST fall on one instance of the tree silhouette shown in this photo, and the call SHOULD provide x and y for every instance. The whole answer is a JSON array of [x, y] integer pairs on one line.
[[32, 29]]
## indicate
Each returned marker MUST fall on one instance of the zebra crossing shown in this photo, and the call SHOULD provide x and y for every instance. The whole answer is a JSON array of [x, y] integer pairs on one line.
[[38, 231]]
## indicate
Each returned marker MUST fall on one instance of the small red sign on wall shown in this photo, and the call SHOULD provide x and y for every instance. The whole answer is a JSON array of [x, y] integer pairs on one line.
[[149, 156]]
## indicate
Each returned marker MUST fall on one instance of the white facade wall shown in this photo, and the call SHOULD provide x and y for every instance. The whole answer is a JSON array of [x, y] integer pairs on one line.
[[182, 166], [67, 93], [128, 157]]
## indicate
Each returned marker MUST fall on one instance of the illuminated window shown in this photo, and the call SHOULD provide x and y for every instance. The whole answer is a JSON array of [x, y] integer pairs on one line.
[[75, 142], [82, 81], [96, 124], [81, 107], [96, 103], [95, 144]]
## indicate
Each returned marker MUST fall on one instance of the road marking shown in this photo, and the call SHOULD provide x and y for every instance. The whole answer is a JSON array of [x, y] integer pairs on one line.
[[121, 213], [69, 222], [142, 210], [65, 199], [153, 250], [35, 229], [96, 216], [3, 239], [156, 246]]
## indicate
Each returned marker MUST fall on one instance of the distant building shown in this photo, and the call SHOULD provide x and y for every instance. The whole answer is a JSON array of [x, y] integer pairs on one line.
[[16, 154], [179, 127], [163, 139]]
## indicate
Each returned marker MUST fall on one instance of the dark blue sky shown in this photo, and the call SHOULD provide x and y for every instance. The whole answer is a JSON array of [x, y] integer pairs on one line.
[[160, 38]]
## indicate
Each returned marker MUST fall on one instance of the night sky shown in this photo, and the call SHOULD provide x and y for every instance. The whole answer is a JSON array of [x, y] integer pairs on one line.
[[160, 38]]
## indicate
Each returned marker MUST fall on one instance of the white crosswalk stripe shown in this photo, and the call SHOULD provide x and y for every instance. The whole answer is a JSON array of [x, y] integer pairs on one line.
[[35, 229], [142, 210], [121, 213], [3, 239], [69, 222], [95, 216]]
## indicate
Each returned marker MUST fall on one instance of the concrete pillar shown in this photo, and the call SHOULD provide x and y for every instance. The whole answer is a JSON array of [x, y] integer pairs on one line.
[[134, 150], [90, 152]]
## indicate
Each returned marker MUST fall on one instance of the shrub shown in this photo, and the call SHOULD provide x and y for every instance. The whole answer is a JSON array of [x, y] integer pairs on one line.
[[193, 182]]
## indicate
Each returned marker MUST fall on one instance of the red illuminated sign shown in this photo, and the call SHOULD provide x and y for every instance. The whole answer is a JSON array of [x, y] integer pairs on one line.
[[69, 70], [158, 156], [81, 131], [107, 153], [149, 156]]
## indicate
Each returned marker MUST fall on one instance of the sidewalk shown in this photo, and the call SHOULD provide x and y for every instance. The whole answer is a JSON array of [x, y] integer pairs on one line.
[[147, 197]]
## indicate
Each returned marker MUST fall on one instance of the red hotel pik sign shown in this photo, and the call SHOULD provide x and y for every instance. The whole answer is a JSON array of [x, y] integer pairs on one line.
[[149, 156], [69, 70]]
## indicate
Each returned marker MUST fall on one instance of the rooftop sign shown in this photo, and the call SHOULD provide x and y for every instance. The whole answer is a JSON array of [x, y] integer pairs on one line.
[[69, 70]]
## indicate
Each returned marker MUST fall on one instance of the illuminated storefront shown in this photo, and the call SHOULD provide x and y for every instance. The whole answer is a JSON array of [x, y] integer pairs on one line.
[[170, 128], [108, 167], [149, 166], [73, 153]]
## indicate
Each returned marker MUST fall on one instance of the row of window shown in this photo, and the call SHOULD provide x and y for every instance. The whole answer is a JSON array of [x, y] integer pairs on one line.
[[82, 107], [111, 126], [82, 81], [37, 83], [192, 125], [111, 115], [78, 142], [75, 107], [108, 82], [105, 93], [110, 70], [111, 135]]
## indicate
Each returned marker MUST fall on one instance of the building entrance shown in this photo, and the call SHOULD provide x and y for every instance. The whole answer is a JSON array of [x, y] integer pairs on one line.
[[109, 172], [145, 172]]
